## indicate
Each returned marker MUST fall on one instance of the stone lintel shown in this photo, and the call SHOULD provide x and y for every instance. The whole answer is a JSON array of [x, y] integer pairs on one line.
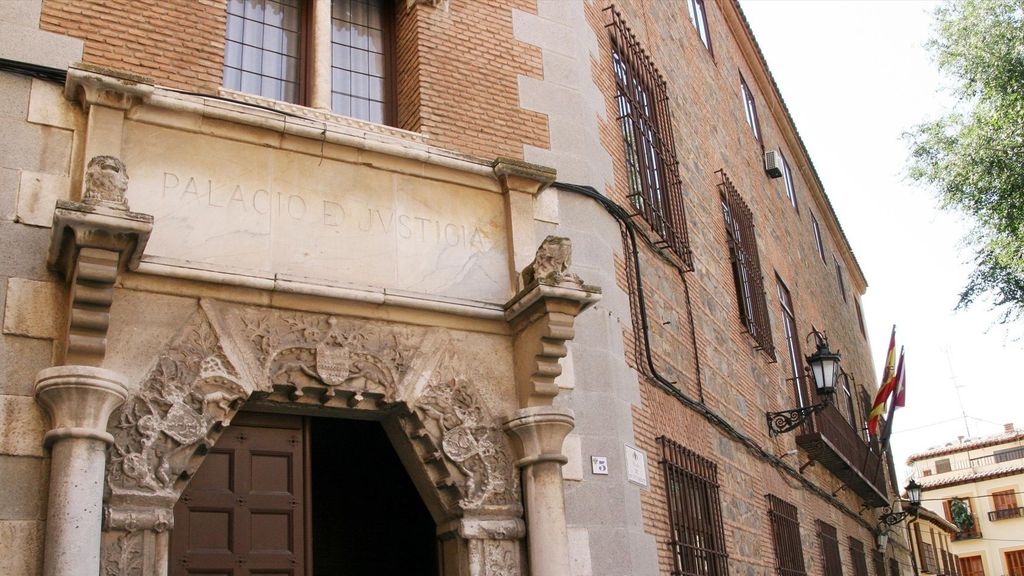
[[522, 176], [89, 84]]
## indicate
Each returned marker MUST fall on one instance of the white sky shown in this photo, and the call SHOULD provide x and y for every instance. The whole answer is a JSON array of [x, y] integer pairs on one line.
[[855, 76]]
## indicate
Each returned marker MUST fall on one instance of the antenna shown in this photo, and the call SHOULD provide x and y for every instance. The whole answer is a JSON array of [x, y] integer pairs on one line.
[[956, 388]]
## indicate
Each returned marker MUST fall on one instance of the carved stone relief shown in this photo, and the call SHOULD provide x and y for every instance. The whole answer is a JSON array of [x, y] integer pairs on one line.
[[106, 181], [227, 354]]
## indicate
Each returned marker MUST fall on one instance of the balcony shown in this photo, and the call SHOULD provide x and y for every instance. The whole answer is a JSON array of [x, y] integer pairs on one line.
[[971, 533], [830, 440], [1006, 514]]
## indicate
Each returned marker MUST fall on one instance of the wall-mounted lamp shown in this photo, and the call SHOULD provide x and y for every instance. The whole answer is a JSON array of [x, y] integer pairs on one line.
[[824, 366], [890, 518]]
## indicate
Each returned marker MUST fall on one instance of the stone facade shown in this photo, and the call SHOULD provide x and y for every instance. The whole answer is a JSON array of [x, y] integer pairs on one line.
[[175, 252]]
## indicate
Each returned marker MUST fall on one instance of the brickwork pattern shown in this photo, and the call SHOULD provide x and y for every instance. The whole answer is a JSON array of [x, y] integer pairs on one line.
[[737, 382], [178, 44]]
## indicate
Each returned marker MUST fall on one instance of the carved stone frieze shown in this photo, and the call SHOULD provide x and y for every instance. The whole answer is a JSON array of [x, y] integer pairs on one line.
[[125, 556], [494, 558]]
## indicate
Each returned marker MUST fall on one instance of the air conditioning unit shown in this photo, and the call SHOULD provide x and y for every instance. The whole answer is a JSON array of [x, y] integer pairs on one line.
[[773, 163]]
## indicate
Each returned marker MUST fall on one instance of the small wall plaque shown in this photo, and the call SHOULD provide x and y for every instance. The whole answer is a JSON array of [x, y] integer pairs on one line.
[[599, 465], [636, 466]]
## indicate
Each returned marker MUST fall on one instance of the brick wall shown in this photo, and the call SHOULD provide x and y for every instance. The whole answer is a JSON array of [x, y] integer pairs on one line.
[[737, 382], [458, 64], [178, 44]]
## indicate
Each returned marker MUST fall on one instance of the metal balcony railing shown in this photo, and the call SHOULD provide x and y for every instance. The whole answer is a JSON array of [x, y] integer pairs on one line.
[[1006, 513], [829, 439]]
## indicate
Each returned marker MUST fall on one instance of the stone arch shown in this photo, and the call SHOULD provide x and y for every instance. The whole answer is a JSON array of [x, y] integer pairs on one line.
[[405, 376]]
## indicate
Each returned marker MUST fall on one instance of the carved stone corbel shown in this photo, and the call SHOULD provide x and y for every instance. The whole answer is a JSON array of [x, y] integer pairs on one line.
[[91, 242], [89, 84], [542, 316]]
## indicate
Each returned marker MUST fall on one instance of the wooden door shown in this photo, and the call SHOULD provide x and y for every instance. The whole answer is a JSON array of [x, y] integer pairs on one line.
[[243, 512]]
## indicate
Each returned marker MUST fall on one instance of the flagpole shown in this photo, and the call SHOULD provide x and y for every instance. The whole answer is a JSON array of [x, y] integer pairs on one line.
[[883, 442]]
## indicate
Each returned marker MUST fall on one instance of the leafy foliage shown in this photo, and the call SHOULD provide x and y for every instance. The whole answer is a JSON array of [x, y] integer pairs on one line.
[[974, 156], [961, 515]]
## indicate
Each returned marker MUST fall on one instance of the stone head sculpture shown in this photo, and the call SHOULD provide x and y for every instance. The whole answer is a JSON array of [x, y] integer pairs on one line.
[[106, 180]]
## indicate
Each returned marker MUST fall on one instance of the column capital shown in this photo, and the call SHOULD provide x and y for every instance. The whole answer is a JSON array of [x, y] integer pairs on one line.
[[538, 432], [79, 400]]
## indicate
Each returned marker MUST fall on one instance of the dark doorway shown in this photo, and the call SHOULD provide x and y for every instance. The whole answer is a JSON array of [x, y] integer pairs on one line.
[[368, 518], [296, 496]]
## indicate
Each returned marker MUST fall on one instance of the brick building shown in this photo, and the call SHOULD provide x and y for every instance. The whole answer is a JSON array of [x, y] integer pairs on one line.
[[285, 285]]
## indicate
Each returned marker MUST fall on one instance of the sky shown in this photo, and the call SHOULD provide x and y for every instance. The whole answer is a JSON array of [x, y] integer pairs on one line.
[[856, 75]]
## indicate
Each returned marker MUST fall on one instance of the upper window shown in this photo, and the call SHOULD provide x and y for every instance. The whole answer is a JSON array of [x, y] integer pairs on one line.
[[655, 189], [830, 549], [1015, 563], [817, 237], [695, 511], [785, 522], [699, 17], [787, 177], [942, 466], [263, 48], [1008, 454], [750, 108], [746, 266], [971, 566], [269, 48], [860, 317], [792, 343], [839, 277]]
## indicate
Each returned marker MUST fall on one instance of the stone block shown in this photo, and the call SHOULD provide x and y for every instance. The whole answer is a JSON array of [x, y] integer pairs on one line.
[[22, 547], [38, 148], [20, 360], [571, 448], [48, 106], [37, 195], [32, 45], [579, 552], [23, 494], [567, 379], [14, 95], [23, 424], [8, 194], [34, 309], [141, 325]]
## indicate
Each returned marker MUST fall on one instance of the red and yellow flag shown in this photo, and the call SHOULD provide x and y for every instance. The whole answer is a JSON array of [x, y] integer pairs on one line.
[[886, 388]]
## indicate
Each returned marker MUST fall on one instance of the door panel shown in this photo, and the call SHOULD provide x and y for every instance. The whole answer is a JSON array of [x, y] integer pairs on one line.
[[242, 514]]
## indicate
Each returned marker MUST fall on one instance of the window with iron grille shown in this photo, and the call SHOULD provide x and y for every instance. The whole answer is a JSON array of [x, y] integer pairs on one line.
[[878, 559], [829, 542], [695, 512], [857, 557], [699, 17], [789, 552], [746, 266], [655, 189]]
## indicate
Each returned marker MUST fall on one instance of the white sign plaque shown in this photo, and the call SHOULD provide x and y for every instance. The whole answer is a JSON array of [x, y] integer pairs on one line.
[[636, 466], [599, 465]]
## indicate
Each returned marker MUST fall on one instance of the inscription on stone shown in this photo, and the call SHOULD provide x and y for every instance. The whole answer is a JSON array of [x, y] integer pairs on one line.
[[265, 211]]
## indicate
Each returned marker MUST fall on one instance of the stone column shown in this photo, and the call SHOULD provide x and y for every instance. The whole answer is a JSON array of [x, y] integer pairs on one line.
[[79, 400], [539, 432], [320, 51]]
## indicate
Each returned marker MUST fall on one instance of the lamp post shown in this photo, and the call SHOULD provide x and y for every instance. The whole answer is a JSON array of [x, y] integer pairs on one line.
[[890, 518], [824, 367]]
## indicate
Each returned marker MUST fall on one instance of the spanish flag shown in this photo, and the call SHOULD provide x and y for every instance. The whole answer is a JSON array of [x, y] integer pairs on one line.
[[886, 388]]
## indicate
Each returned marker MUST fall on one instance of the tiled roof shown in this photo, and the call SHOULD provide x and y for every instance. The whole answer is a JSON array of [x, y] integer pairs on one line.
[[968, 445], [965, 476]]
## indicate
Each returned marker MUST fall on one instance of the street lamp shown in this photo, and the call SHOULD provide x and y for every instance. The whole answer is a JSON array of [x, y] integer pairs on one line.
[[890, 518], [824, 367]]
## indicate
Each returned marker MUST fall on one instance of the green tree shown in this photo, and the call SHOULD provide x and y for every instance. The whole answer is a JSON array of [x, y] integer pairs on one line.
[[974, 155]]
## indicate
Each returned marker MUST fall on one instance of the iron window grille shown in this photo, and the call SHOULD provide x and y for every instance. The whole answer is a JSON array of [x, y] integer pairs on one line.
[[829, 549], [699, 17], [695, 512], [878, 559], [857, 557], [655, 189], [789, 551], [746, 266], [263, 48]]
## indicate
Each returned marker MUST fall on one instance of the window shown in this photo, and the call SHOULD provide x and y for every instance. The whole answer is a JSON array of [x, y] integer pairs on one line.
[[789, 552], [839, 277], [1008, 454], [846, 399], [787, 177], [746, 266], [263, 48], [942, 466], [894, 567], [792, 343], [972, 566], [269, 46], [750, 109], [655, 189], [1004, 504], [699, 17], [817, 237], [695, 511], [878, 559], [857, 557], [1015, 563], [830, 549], [860, 317]]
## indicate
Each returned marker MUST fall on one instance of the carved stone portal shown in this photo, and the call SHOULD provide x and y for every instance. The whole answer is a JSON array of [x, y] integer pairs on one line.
[[228, 354]]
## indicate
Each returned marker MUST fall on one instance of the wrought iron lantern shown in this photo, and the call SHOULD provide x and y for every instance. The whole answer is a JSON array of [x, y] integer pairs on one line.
[[823, 366], [913, 501]]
